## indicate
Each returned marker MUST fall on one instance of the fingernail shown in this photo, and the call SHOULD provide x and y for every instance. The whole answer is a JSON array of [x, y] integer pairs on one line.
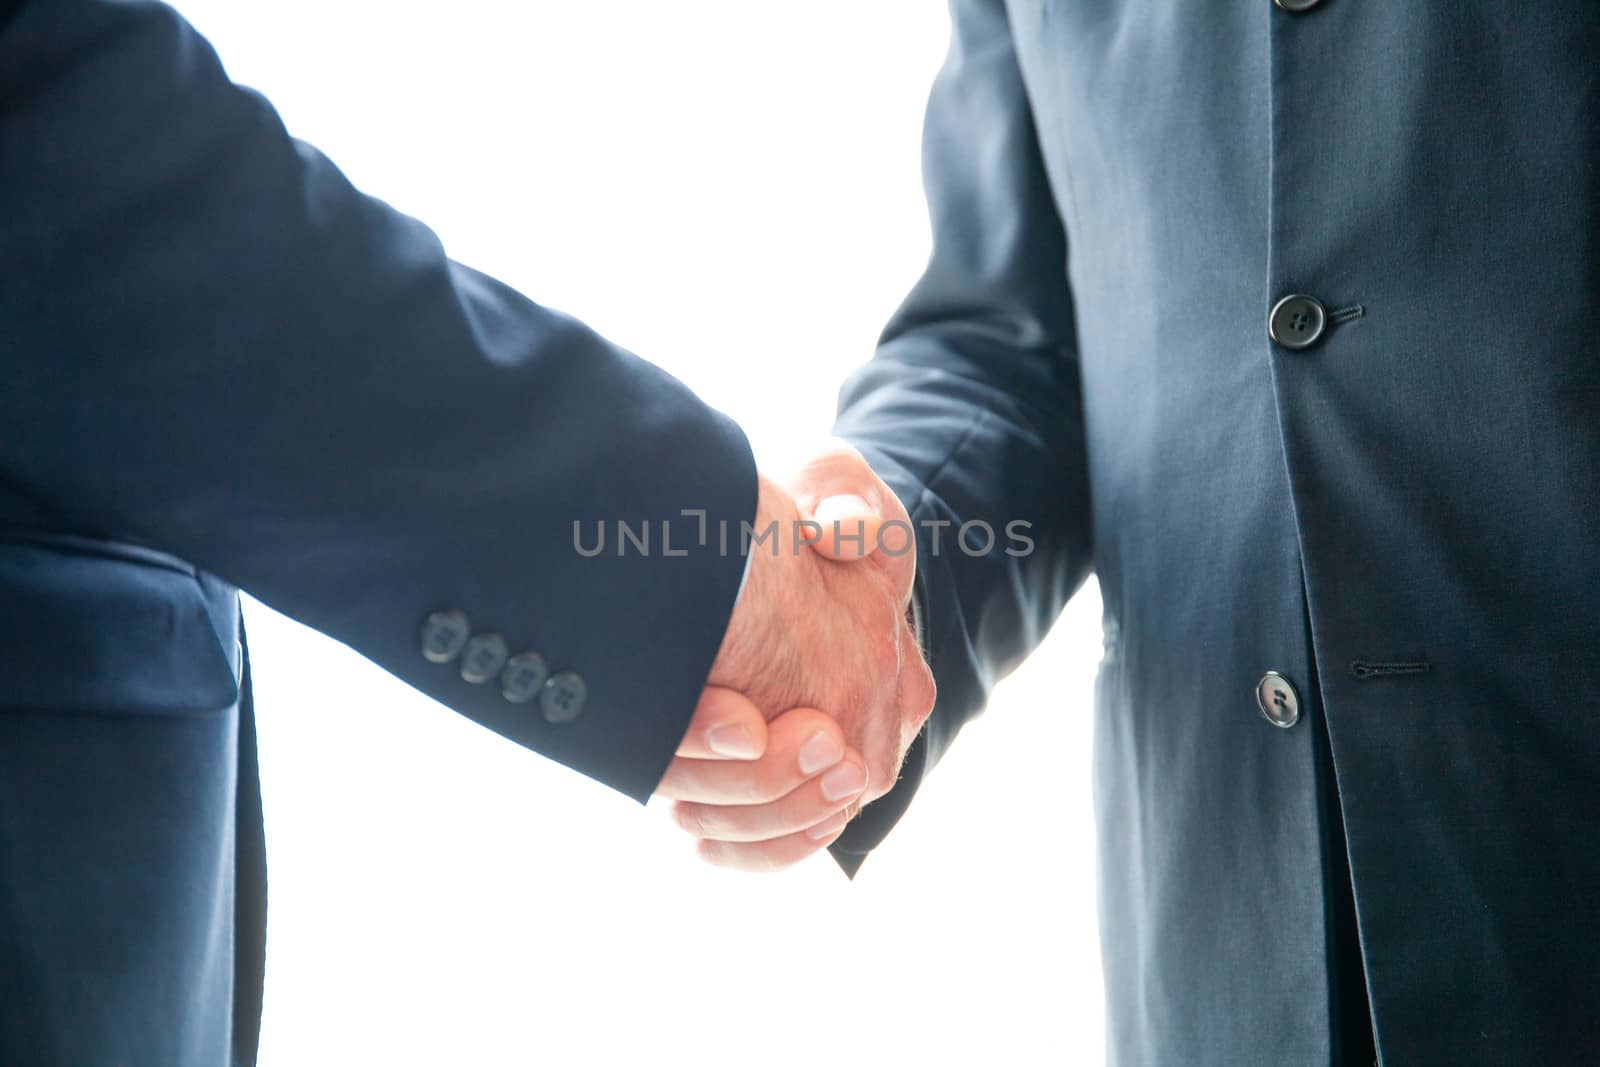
[[732, 741], [828, 827], [841, 507], [845, 780], [823, 750]]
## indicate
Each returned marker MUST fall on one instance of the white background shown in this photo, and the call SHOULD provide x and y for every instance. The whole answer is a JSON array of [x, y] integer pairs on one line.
[[730, 189]]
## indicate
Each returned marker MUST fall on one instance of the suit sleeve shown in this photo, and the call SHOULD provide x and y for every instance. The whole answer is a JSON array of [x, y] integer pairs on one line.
[[971, 408], [214, 345]]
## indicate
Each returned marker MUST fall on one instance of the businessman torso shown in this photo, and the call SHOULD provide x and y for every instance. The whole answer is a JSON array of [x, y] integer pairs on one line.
[[1431, 468], [1382, 521]]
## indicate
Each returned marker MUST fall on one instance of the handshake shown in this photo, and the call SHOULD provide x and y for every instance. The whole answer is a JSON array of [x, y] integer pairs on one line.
[[820, 685]]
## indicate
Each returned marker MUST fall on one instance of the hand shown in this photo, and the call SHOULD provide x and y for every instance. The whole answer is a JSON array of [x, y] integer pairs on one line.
[[824, 627], [762, 796]]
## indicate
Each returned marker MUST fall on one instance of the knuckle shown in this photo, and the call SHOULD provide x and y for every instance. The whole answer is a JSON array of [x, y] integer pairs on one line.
[[927, 698], [880, 779], [715, 854], [690, 819]]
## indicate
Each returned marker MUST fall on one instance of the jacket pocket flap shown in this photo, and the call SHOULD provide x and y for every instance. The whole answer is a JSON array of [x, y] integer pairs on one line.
[[85, 632]]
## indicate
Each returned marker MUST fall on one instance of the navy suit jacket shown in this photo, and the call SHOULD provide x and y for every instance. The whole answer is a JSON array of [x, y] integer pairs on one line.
[[222, 366], [215, 348], [1402, 519]]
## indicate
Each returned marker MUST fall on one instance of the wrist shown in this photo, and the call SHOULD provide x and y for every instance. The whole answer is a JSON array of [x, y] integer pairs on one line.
[[753, 625]]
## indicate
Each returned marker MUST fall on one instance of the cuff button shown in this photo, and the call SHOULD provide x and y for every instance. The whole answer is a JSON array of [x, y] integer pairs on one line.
[[562, 697], [523, 677], [482, 658], [444, 634]]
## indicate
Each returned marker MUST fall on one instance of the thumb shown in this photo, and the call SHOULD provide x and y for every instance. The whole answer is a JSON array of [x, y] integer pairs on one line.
[[847, 503], [848, 526], [725, 726]]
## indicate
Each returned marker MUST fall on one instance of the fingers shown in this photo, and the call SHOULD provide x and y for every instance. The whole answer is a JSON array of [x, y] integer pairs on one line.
[[725, 726], [807, 806], [801, 743], [773, 855]]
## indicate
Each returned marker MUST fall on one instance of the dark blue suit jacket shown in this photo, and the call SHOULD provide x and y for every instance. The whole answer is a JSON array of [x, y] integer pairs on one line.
[[217, 358], [1402, 520]]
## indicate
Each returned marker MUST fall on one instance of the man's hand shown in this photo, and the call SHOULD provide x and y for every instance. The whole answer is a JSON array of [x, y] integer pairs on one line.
[[767, 809], [823, 626]]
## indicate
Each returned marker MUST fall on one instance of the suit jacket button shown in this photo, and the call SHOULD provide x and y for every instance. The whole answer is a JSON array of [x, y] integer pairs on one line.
[[444, 633], [482, 658], [1297, 321], [1297, 6], [562, 698], [1278, 701], [523, 677]]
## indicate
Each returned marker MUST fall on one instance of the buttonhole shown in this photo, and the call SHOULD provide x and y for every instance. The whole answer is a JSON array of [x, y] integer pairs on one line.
[[1354, 311], [1363, 669]]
